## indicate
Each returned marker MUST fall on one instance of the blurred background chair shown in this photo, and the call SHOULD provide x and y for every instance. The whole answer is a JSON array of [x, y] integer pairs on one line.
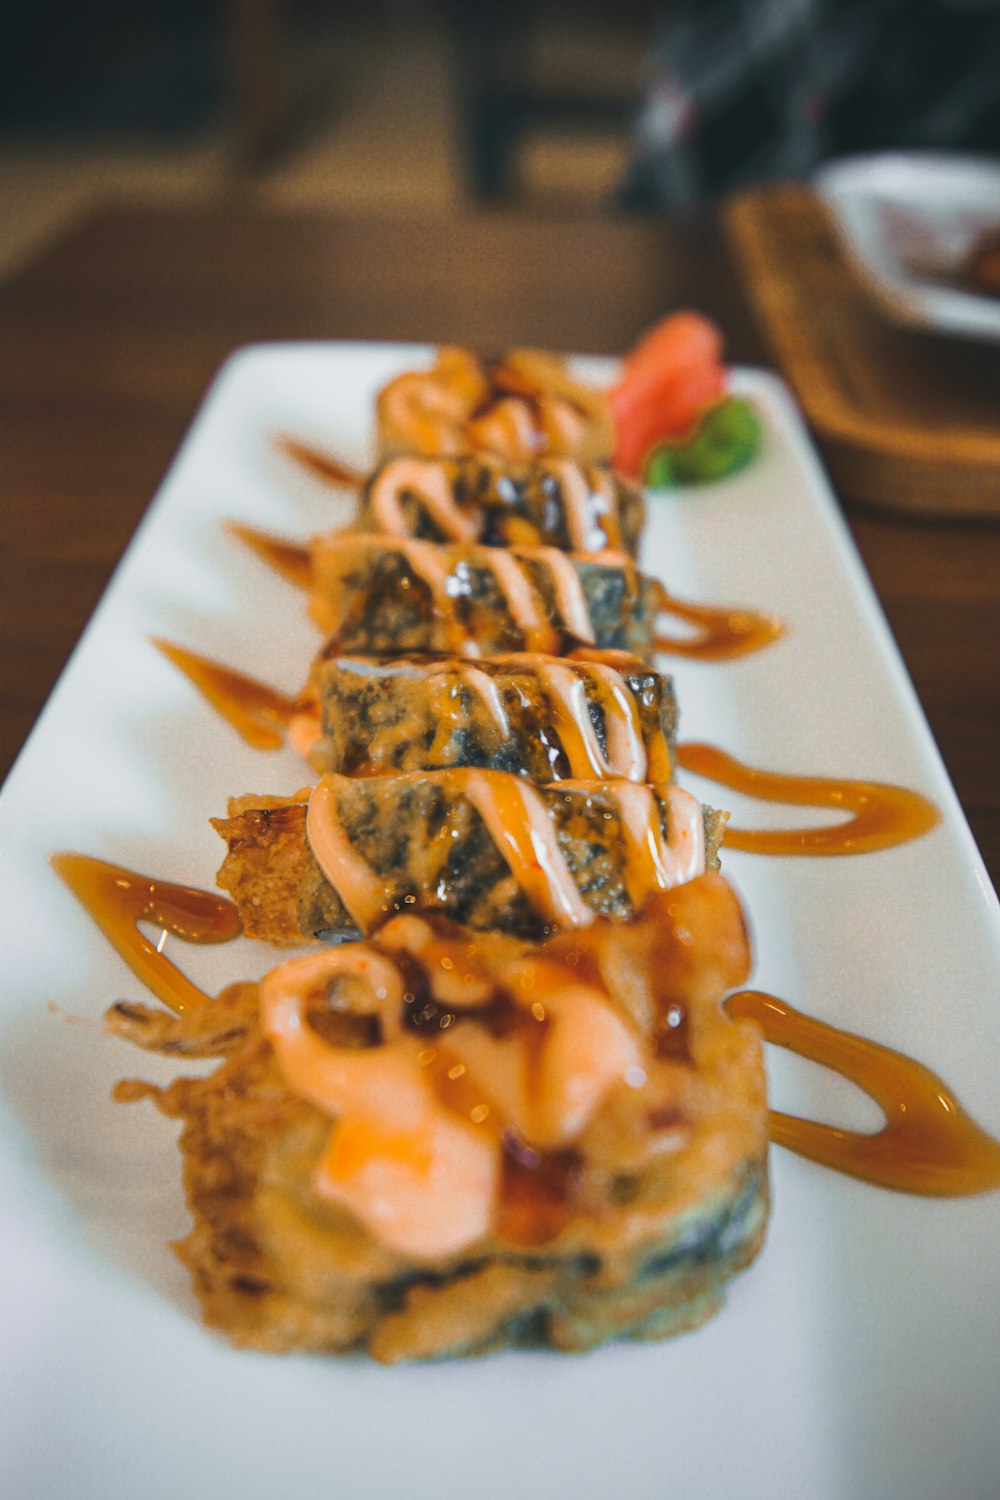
[[313, 103], [568, 105]]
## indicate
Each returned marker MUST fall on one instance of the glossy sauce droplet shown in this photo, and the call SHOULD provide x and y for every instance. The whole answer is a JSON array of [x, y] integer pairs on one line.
[[118, 899], [722, 632], [883, 815], [260, 714], [929, 1145], [322, 464], [290, 559], [535, 1197]]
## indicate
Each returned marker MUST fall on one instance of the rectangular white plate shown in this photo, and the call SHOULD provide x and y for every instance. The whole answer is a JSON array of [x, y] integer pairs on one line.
[[859, 1357]]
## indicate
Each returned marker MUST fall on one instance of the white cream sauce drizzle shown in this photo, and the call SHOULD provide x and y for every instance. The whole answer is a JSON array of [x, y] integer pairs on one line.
[[519, 824], [515, 816], [604, 490], [360, 889], [523, 600], [437, 566], [626, 751], [429, 481], [570, 598], [588, 498], [577, 504], [565, 684], [653, 862], [567, 692], [484, 686], [518, 821]]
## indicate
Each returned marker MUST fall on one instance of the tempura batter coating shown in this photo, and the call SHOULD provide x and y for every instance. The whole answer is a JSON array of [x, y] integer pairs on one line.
[[630, 1228]]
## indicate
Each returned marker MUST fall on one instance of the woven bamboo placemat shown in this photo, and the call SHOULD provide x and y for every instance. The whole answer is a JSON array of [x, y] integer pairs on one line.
[[906, 420]]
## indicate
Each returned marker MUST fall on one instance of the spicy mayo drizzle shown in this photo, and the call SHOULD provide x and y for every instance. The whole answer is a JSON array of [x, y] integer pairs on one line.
[[515, 816], [518, 821], [118, 899], [587, 495], [441, 570], [429, 482], [722, 632], [928, 1144], [883, 815]]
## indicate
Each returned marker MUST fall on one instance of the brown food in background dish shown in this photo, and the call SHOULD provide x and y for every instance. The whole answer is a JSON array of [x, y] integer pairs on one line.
[[981, 267]]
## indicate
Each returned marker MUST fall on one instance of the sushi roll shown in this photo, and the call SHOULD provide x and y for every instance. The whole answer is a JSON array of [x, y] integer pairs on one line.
[[556, 503], [520, 408], [485, 848], [442, 1144], [376, 595], [547, 718]]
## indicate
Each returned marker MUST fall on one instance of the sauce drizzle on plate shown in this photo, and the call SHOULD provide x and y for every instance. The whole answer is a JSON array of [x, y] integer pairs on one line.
[[883, 815], [722, 632], [928, 1145], [260, 714], [119, 899], [323, 465], [291, 559]]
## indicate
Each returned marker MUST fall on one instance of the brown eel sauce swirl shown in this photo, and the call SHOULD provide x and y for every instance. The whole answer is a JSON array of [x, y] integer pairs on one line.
[[260, 714], [119, 899], [722, 632], [928, 1145], [883, 815], [323, 465]]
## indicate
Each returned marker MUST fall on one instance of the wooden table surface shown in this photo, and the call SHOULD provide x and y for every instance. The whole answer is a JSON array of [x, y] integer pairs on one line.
[[110, 339]]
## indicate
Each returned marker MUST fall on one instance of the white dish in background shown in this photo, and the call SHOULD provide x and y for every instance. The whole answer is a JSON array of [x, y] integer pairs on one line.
[[860, 1356], [901, 212]]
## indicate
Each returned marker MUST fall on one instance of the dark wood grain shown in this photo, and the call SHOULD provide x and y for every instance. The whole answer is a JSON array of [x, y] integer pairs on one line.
[[111, 338]]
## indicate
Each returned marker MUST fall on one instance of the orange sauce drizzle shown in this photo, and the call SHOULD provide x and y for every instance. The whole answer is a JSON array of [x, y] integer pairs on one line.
[[118, 899], [928, 1145], [291, 559], [259, 714], [323, 465], [883, 815], [520, 826], [722, 633]]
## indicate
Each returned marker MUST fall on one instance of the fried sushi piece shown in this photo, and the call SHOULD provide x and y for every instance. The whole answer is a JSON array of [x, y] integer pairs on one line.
[[521, 408], [378, 595], [558, 503], [547, 718], [442, 1144], [485, 848]]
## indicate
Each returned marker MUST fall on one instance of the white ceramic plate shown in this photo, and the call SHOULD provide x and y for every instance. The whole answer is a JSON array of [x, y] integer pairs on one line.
[[908, 220], [859, 1357]]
